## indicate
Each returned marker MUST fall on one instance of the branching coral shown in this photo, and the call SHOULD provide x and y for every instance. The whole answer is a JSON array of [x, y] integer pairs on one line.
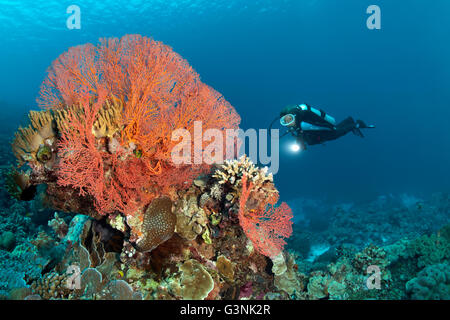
[[232, 171], [52, 286], [229, 175]]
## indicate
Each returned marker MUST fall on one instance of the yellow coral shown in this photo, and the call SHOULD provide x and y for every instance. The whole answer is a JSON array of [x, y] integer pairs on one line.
[[225, 267], [191, 220], [196, 282], [108, 119], [28, 140], [44, 125], [286, 277], [232, 170]]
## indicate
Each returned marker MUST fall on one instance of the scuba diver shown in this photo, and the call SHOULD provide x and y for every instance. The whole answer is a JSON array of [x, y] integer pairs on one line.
[[311, 126]]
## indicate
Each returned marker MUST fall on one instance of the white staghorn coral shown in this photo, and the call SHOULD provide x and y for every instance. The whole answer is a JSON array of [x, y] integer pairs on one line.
[[233, 170]]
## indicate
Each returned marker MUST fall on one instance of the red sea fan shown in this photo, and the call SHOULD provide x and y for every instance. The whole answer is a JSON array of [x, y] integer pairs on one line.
[[159, 91], [266, 228], [82, 165], [75, 76]]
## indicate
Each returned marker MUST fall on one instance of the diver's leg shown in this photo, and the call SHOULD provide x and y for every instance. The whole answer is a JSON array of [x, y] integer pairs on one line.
[[345, 126], [319, 137]]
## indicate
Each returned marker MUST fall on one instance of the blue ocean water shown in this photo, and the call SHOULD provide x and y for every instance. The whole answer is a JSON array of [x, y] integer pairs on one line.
[[265, 54]]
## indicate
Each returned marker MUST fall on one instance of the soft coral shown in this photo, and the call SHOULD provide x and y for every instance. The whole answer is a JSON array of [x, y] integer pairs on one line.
[[159, 91], [265, 226]]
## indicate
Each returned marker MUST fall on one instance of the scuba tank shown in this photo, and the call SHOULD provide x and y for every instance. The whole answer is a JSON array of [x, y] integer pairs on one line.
[[320, 113]]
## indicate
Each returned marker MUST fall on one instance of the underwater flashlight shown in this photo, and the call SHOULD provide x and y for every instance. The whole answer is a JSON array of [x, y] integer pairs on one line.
[[295, 147]]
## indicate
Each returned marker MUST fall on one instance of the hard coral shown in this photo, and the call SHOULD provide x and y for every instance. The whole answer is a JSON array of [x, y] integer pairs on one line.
[[225, 267], [51, 286], [286, 277], [232, 171], [191, 220], [159, 224], [113, 108], [196, 282]]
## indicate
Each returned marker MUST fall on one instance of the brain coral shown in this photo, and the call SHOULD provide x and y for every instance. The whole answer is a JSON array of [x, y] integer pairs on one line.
[[159, 224]]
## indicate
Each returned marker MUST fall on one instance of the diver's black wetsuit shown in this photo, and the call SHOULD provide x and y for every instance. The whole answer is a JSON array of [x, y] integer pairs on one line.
[[320, 136], [312, 126]]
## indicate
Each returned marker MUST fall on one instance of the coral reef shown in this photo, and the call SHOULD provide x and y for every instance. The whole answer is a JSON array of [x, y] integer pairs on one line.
[[103, 144], [100, 210], [383, 221], [223, 266], [432, 283], [147, 227], [403, 272]]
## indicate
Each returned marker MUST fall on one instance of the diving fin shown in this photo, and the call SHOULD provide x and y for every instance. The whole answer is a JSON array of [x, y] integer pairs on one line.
[[362, 125]]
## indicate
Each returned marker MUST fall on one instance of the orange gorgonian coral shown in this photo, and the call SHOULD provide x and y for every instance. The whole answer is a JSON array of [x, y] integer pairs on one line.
[[265, 226], [159, 92]]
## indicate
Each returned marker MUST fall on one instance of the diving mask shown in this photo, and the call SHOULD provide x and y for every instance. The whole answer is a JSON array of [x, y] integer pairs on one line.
[[287, 120]]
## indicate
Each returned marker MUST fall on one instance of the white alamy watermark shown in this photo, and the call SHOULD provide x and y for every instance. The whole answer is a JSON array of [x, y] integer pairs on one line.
[[74, 277], [225, 144], [374, 20], [374, 280], [74, 20]]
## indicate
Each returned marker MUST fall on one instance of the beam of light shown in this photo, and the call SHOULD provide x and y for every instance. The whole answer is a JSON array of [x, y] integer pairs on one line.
[[295, 147]]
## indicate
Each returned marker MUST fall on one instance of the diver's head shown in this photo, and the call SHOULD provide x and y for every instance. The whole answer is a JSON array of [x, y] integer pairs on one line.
[[288, 109], [287, 116], [288, 120]]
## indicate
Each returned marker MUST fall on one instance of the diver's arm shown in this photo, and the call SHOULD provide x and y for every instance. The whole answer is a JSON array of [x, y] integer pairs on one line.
[[306, 126], [301, 143], [298, 134]]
